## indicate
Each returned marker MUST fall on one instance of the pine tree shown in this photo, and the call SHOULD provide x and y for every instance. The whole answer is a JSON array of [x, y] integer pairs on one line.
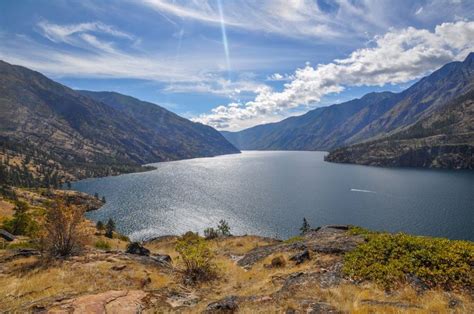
[[110, 228], [305, 227]]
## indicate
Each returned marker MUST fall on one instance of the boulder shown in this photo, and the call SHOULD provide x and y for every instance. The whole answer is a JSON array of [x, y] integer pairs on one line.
[[138, 249], [162, 258], [226, 305], [6, 235], [300, 257]]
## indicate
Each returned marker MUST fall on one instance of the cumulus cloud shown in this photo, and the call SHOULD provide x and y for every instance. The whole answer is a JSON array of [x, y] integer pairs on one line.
[[396, 57]]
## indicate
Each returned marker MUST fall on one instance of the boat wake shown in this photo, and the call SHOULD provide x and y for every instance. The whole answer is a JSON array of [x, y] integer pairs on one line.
[[362, 191]]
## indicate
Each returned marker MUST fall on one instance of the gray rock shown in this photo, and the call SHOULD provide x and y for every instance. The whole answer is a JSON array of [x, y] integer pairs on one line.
[[300, 257], [162, 258], [6, 235], [138, 249], [227, 305]]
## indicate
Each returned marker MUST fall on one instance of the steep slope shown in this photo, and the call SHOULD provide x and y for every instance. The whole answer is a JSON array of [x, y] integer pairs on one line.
[[444, 139], [374, 115], [83, 135], [186, 137]]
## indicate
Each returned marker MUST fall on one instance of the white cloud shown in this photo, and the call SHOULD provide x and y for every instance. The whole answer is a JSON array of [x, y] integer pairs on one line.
[[396, 57]]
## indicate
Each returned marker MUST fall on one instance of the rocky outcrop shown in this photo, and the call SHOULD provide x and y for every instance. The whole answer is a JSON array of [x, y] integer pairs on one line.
[[328, 239]]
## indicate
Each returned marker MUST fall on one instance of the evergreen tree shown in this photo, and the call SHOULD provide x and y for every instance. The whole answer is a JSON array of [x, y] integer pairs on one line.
[[223, 228], [109, 228], [100, 225], [305, 227]]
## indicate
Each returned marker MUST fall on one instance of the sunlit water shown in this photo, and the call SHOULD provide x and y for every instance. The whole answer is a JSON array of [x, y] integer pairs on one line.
[[269, 193]]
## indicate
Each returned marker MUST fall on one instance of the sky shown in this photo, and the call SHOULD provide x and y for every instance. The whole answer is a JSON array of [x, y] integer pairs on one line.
[[233, 64]]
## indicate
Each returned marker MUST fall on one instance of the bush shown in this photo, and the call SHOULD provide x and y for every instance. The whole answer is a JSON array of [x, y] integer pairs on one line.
[[64, 231], [210, 233], [388, 259], [102, 245], [22, 222], [100, 226], [196, 257], [294, 239]]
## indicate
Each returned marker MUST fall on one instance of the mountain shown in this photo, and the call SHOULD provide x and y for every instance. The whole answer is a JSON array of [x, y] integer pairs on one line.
[[81, 136], [373, 116], [444, 139], [184, 138]]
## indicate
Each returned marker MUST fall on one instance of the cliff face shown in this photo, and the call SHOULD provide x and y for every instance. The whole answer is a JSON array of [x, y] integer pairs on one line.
[[444, 139]]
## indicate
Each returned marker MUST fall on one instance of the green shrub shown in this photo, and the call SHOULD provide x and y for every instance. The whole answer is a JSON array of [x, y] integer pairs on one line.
[[22, 245], [22, 222], [387, 259], [110, 228], [196, 257], [210, 233], [294, 239], [102, 245]]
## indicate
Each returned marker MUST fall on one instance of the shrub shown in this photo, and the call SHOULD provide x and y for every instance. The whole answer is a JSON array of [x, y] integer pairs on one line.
[[100, 226], [388, 259], [64, 231], [196, 257], [22, 222], [210, 233], [294, 239], [110, 228], [223, 228], [102, 245]]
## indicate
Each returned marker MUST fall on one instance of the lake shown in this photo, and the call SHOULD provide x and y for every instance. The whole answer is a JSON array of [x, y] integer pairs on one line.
[[269, 193]]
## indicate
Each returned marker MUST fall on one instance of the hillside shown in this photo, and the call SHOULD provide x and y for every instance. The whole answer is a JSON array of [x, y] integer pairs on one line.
[[444, 139], [332, 269], [373, 116], [51, 123]]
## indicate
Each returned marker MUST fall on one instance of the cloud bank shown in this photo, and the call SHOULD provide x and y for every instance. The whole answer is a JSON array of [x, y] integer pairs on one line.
[[396, 57]]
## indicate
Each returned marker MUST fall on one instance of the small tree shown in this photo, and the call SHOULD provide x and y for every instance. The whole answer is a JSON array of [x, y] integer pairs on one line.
[[210, 233], [223, 228], [305, 227], [68, 185], [103, 199], [22, 222], [96, 195], [100, 226], [64, 231], [110, 228], [196, 257]]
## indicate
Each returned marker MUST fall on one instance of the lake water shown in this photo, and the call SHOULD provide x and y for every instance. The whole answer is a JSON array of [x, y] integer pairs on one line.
[[269, 193]]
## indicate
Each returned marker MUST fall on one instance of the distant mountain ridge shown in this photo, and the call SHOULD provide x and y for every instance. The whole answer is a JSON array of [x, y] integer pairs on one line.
[[85, 136], [374, 116]]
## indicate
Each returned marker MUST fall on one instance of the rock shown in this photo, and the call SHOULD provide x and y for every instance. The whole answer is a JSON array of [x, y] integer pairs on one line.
[[107, 302], [390, 303], [300, 257], [319, 307], [417, 283], [138, 249], [278, 261], [226, 305], [6, 235], [180, 299], [118, 267], [454, 303], [162, 258]]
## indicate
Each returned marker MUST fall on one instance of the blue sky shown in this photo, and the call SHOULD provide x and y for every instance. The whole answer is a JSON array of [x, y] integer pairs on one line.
[[235, 64]]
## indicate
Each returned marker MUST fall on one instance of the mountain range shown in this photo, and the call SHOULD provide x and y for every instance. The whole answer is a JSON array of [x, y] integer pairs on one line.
[[381, 118], [93, 133]]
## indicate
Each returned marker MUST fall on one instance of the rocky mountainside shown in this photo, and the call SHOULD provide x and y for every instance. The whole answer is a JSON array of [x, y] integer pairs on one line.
[[89, 137], [373, 116], [444, 139]]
